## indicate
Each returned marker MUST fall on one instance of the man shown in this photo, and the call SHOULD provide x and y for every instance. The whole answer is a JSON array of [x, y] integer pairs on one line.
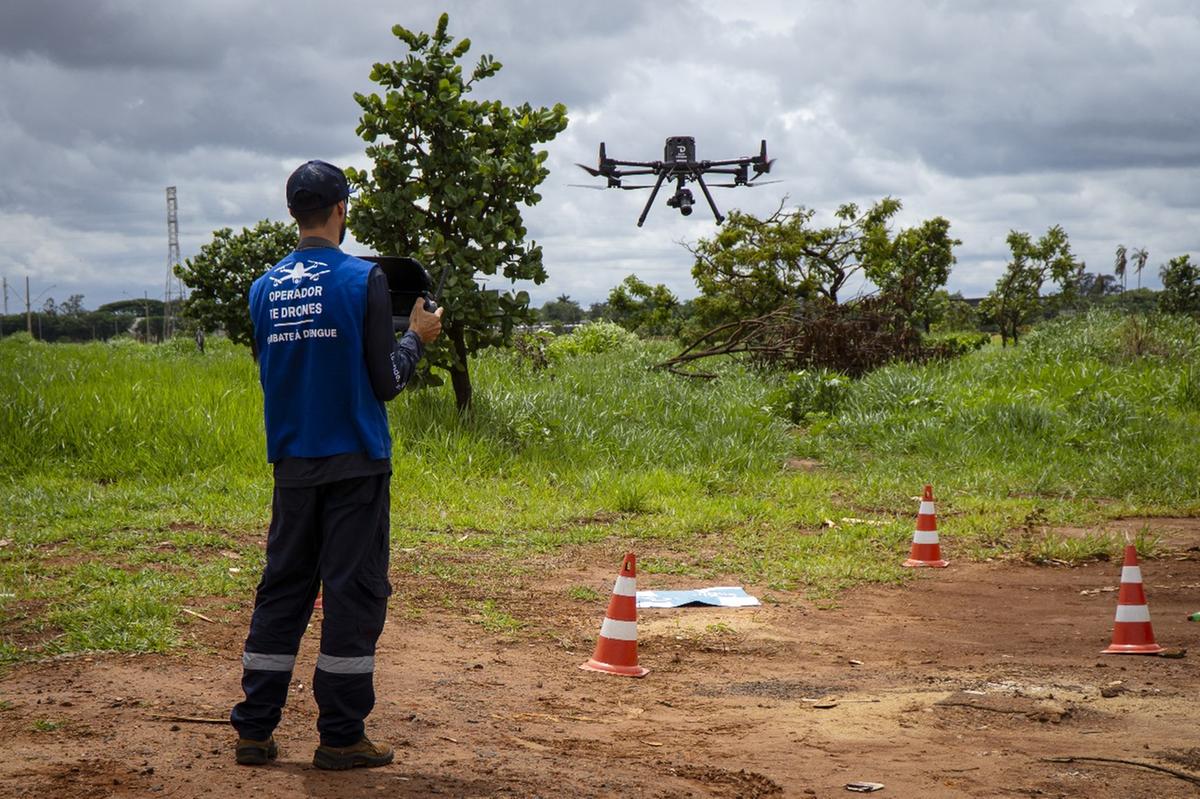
[[328, 360]]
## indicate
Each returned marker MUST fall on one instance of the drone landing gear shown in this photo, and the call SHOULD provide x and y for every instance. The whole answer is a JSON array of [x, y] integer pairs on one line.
[[682, 200], [653, 193], [707, 196]]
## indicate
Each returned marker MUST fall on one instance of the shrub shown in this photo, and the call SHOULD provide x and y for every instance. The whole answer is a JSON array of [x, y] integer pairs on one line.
[[20, 338], [533, 347], [1113, 338], [591, 338], [953, 345], [809, 393]]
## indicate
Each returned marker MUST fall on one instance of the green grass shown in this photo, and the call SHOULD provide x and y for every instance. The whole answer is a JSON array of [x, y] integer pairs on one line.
[[495, 620], [1086, 408], [582, 593], [133, 479]]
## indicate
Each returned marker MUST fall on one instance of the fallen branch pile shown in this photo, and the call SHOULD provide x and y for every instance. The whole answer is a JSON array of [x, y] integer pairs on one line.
[[852, 339]]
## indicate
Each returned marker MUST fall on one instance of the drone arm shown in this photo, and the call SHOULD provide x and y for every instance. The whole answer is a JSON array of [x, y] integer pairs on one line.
[[652, 165], [653, 193], [707, 196]]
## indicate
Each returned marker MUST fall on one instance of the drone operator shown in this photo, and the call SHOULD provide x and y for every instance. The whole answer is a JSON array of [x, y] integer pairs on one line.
[[328, 360]]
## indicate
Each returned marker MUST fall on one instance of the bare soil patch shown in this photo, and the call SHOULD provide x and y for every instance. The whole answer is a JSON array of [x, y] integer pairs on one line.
[[956, 685]]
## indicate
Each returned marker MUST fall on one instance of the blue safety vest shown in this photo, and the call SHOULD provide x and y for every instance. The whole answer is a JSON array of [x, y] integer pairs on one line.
[[308, 313]]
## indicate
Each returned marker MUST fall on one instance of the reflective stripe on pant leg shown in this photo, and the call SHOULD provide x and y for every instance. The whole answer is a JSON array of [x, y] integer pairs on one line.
[[256, 661], [355, 665]]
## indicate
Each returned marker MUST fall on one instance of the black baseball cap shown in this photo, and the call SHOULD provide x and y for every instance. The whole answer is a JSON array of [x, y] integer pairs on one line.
[[316, 184]]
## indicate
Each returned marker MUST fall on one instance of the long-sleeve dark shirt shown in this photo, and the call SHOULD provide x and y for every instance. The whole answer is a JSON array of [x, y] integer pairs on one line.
[[390, 365]]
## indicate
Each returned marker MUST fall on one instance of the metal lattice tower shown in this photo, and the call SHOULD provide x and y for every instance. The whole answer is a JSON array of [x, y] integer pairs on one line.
[[174, 286]]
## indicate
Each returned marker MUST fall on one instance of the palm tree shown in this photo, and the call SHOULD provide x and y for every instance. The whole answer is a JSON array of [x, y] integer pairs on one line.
[[1140, 256], [1120, 264]]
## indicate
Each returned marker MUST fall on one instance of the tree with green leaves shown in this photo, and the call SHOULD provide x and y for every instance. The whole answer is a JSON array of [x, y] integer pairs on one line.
[[642, 308], [752, 266], [1121, 264], [1093, 287], [1017, 298], [72, 305], [449, 179], [563, 310], [911, 267], [1181, 286], [952, 313], [220, 276], [1140, 256]]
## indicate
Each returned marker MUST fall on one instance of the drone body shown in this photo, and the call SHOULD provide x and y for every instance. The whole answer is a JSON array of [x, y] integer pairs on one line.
[[679, 165]]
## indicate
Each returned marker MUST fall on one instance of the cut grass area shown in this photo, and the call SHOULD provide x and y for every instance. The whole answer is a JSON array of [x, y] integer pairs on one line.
[[132, 477]]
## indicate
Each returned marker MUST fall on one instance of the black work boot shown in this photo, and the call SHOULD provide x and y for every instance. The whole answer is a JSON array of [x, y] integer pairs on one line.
[[255, 753], [362, 754]]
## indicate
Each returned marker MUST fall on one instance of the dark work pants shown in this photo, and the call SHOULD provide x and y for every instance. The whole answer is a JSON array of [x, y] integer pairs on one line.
[[333, 535]]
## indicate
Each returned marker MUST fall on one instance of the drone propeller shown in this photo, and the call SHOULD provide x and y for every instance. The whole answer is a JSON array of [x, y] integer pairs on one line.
[[747, 185], [763, 168], [602, 188]]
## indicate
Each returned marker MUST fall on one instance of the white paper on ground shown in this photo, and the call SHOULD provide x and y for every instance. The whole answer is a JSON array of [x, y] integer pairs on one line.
[[726, 596]]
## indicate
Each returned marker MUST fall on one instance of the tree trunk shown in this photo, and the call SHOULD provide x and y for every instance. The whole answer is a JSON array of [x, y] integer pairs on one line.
[[460, 378]]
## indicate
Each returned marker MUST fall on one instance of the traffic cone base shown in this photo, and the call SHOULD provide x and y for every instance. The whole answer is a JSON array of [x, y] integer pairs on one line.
[[926, 551], [616, 649], [1132, 631]]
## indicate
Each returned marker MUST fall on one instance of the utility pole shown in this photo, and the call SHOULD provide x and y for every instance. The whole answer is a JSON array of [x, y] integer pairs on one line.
[[28, 310], [5, 280], [172, 259]]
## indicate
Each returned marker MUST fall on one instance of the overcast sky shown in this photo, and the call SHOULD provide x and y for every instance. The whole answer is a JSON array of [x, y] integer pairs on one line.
[[998, 116]]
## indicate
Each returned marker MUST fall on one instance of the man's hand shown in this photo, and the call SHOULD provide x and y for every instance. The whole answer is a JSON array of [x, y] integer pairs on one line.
[[425, 324]]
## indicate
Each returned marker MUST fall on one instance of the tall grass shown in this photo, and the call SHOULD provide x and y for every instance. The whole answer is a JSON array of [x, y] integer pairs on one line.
[[153, 459], [1097, 406], [111, 412], [133, 477]]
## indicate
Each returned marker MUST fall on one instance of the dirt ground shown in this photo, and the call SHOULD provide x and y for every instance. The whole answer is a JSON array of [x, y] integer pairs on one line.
[[960, 684]]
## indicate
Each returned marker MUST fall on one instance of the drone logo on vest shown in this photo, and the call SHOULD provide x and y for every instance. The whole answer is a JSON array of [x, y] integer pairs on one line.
[[298, 273]]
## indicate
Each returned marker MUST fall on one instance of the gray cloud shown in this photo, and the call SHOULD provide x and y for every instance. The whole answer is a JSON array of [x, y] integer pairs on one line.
[[1017, 115]]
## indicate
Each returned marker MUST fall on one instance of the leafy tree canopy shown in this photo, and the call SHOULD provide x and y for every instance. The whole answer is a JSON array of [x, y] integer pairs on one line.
[[563, 310], [221, 274], [1017, 298], [134, 307], [449, 178], [1181, 286], [642, 308], [910, 268], [752, 266]]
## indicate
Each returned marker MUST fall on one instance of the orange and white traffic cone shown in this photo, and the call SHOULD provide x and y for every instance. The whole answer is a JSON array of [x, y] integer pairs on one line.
[[926, 550], [1132, 633], [616, 650]]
